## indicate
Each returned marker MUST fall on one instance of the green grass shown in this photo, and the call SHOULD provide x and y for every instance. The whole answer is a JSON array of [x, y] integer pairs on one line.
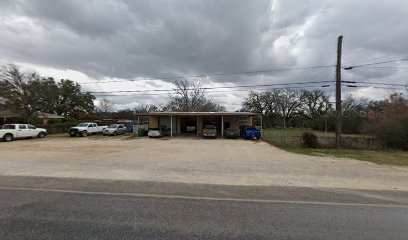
[[293, 137], [290, 132], [293, 143], [392, 157]]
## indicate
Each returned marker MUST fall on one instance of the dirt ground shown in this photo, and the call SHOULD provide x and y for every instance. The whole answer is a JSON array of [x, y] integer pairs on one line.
[[190, 160]]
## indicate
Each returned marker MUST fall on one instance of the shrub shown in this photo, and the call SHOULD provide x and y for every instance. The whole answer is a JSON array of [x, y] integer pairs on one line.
[[69, 119], [54, 121], [394, 132], [37, 121], [310, 140]]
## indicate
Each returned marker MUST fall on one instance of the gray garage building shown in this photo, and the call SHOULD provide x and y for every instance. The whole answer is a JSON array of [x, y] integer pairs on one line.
[[177, 122]]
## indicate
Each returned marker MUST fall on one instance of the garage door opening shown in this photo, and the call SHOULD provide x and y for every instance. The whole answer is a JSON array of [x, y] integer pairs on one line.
[[188, 126]]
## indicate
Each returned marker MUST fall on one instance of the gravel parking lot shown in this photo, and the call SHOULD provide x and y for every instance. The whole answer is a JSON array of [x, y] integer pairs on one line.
[[190, 160]]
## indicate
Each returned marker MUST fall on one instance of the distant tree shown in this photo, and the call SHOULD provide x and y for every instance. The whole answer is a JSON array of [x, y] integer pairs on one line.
[[262, 102], [316, 103], [21, 92], [105, 108], [190, 97], [289, 103], [354, 114], [71, 98], [46, 93], [24, 93], [316, 109], [146, 108]]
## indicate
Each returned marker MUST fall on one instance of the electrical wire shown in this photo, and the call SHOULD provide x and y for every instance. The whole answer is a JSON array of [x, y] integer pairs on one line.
[[212, 75], [374, 63], [210, 88], [221, 91]]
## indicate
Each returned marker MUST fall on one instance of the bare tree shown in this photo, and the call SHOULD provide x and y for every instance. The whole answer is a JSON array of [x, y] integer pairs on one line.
[[146, 108], [190, 97], [289, 103], [105, 108], [316, 103]]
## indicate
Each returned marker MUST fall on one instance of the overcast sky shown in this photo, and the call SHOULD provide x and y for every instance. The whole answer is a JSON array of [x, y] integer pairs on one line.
[[98, 40]]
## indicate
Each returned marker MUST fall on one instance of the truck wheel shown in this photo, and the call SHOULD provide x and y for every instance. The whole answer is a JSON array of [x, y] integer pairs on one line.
[[42, 135], [84, 134], [8, 137], [114, 134]]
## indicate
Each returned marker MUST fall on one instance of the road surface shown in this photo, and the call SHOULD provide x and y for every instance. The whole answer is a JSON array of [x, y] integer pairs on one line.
[[49, 208]]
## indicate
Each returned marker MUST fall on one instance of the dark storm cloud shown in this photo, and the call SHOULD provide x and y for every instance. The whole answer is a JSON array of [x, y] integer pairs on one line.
[[139, 39]]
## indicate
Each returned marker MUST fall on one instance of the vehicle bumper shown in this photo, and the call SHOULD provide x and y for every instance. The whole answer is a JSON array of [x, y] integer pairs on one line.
[[209, 134]]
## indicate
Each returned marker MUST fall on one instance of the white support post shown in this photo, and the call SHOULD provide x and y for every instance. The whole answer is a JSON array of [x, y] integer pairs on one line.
[[171, 126], [197, 126], [137, 126], [222, 126]]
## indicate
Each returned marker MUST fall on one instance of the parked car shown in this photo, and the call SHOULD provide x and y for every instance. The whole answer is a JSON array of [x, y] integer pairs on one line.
[[191, 128], [210, 131], [156, 132], [250, 132], [231, 133], [10, 132], [85, 129], [128, 125], [114, 130]]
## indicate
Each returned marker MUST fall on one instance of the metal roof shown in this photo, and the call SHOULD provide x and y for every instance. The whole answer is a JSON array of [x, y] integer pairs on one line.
[[197, 114]]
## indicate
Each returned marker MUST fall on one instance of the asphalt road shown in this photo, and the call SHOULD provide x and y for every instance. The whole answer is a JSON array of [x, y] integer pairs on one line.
[[46, 208]]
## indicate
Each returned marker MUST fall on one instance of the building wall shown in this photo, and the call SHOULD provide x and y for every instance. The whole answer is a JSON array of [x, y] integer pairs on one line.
[[235, 124], [154, 122]]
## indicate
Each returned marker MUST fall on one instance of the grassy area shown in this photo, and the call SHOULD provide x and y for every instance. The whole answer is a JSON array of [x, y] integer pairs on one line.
[[293, 137], [290, 132], [392, 157], [291, 140]]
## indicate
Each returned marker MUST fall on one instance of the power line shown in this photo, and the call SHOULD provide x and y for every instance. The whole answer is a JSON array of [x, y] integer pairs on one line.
[[210, 88], [374, 63], [221, 91], [387, 68], [213, 74], [377, 87], [376, 83]]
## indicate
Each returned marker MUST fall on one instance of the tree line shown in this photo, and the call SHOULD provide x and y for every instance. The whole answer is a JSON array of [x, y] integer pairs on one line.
[[387, 118], [25, 93]]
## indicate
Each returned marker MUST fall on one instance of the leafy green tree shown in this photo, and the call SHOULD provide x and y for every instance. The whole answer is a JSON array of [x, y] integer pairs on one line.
[[71, 98], [26, 93], [17, 92]]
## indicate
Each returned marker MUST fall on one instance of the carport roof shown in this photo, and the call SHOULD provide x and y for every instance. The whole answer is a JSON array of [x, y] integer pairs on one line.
[[198, 114]]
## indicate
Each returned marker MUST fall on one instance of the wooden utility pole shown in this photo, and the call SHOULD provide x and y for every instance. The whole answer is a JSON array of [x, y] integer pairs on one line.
[[338, 93]]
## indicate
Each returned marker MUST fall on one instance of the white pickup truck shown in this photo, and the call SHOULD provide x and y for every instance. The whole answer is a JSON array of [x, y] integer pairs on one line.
[[10, 132], [85, 129]]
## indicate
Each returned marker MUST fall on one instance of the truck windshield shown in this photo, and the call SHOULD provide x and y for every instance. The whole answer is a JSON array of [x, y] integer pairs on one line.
[[9, 126], [210, 126], [83, 125], [113, 126]]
